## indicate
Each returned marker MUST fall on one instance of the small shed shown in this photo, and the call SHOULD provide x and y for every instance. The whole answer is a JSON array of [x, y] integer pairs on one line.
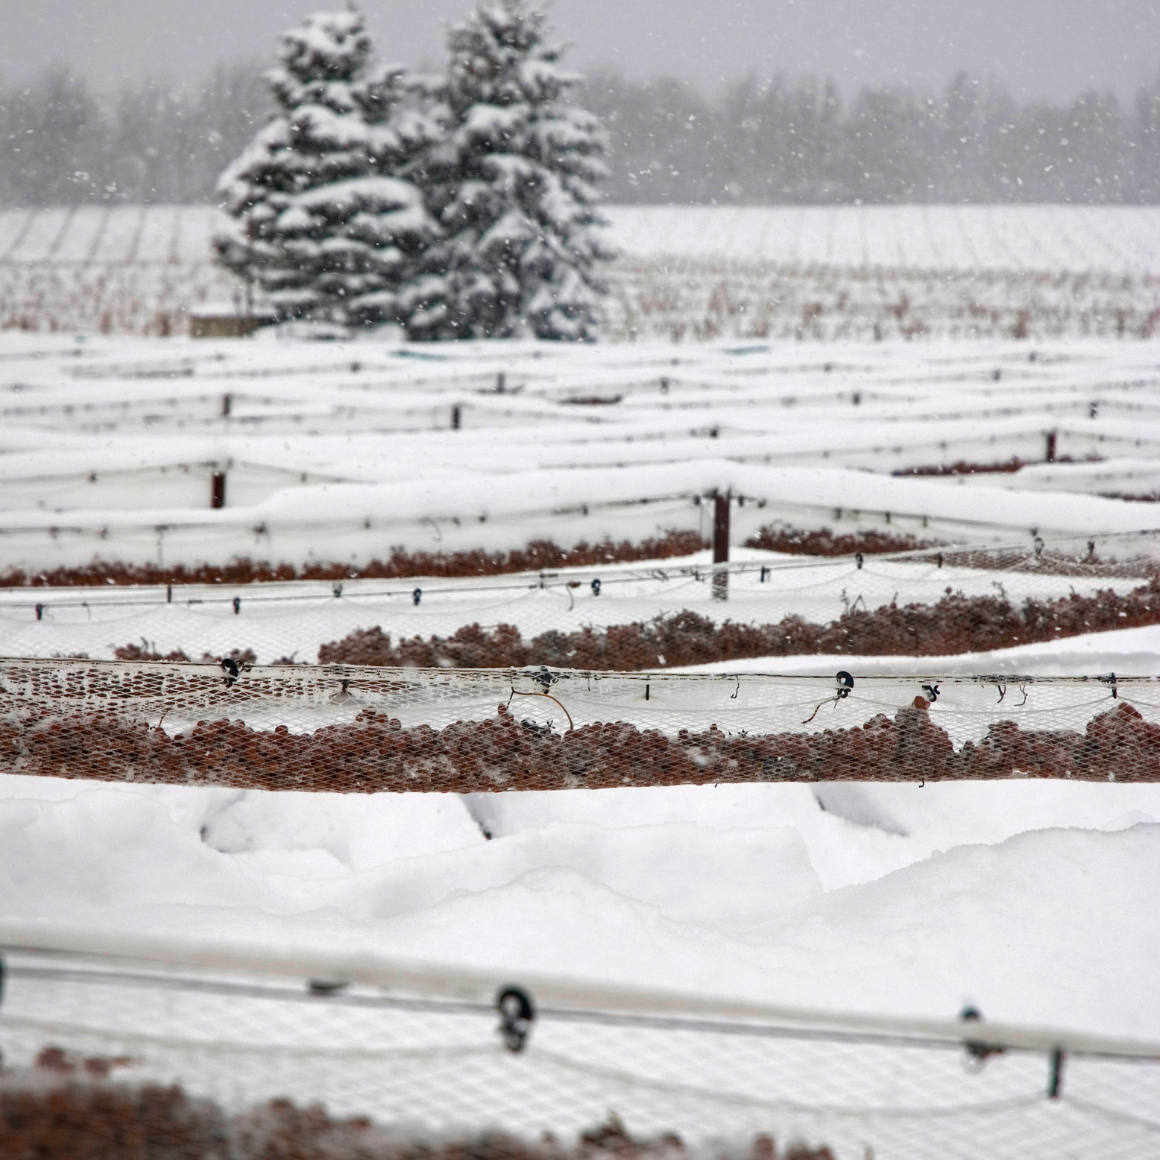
[[226, 320]]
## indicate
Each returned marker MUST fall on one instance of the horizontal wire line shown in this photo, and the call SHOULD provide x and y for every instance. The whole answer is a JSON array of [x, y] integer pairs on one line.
[[736, 1099], [226, 1047], [449, 1007], [701, 572], [1113, 1114]]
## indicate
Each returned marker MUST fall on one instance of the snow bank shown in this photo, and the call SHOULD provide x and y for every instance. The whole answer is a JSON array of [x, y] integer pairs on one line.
[[929, 898]]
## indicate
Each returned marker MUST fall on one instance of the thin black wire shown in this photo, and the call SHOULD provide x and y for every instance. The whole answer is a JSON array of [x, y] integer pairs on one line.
[[545, 581], [248, 990]]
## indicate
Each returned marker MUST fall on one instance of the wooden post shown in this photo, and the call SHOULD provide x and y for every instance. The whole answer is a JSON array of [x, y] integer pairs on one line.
[[217, 495], [1055, 1075], [720, 544]]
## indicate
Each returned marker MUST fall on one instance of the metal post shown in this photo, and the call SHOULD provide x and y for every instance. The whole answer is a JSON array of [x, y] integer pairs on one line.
[[1050, 446], [1055, 1078], [721, 544], [218, 490], [456, 417], [227, 402]]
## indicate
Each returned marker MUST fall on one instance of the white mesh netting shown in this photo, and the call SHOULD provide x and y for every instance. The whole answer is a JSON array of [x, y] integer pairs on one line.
[[936, 602], [417, 1068], [360, 729]]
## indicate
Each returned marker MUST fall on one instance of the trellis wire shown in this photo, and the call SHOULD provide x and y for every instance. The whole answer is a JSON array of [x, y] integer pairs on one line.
[[430, 1050], [1135, 556]]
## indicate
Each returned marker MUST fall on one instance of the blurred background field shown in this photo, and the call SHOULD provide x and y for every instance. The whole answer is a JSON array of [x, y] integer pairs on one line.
[[685, 273]]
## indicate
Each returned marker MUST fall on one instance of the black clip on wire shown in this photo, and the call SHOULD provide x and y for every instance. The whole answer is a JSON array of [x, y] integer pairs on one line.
[[1110, 679], [977, 1052], [325, 987], [931, 691], [845, 684], [596, 587], [232, 670], [516, 1016]]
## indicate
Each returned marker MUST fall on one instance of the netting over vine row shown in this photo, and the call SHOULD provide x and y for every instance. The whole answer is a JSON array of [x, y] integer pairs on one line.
[[346, 728], [246, 1059], [938, 602]]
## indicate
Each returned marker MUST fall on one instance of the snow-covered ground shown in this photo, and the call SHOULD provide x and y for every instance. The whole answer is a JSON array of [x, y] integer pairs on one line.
[[1034, 901], [1118, 240], [685, 273], [1031, 900]]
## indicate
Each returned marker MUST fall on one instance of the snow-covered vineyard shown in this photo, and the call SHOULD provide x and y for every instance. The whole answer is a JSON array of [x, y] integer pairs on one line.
[[430, 733], [385, 488], [684, 273], [186, 453], [985, 640]]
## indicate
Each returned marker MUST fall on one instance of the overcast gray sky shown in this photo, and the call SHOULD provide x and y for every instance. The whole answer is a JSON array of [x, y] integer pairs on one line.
[[1048, 48]]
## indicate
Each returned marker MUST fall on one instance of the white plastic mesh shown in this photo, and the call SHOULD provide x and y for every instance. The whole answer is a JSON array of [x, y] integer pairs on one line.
[[276, 621], [436, 1070], [346, 728]]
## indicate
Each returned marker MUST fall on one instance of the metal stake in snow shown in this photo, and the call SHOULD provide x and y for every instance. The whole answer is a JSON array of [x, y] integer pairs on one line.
[[217, 494], [721, 544]]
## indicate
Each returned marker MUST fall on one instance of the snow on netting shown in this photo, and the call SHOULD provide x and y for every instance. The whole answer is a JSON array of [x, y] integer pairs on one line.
[[226, 1062], [333, 455], [348, 728]]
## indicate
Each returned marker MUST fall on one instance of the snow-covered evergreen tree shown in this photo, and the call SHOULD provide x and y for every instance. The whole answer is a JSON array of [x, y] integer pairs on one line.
[[514, 189], [328, 225]]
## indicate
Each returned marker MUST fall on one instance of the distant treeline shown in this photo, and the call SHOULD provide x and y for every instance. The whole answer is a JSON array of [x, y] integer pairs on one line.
[[153, 142], [796, 141], [785, 140]]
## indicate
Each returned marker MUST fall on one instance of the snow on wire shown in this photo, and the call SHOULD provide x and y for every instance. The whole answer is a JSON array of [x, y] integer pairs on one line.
[[346, 728], [430, 1054]]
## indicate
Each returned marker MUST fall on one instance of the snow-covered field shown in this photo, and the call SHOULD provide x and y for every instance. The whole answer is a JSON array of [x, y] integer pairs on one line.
[[685, 273], [339, 452], [1034, 901]]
